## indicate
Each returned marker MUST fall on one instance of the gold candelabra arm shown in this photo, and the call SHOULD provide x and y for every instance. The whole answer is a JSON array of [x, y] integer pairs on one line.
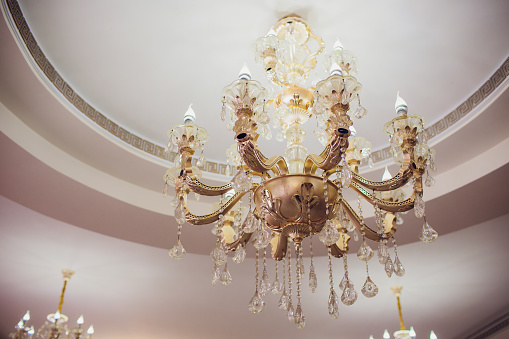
[[397, 181], [390, 225], [330, 156], [200, 188], [389, 206], [242, 240], [256, 161]]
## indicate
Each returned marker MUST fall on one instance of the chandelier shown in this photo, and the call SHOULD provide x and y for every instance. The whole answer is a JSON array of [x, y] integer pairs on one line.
[[403, 333], [55, 326], [283, 200]]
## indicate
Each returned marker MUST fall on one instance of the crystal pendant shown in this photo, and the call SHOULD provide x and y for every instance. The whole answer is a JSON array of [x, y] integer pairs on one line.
[[399, 219], [369, 289], [346, 175], [345, 96], [177, 252], [383, 252], [280, 137], [345, 282], [263, 119], [216, 275], [399, 270], [349, 295], [241, 182], [277, 286], [266, 133], [313, 282], [218, 255], [428, 234], [333, 304], [328, 235], [300, 320], [355, 236], [389, 267], [290, 312], [201, 160], [223, 112], [256, 304], [418, 206], [365, 252], [395, 140], [321, 135], [429, 181], [180, 214], [265, 283], [379, 217], [249, 225], [226, 277], [283, 301], [227, 171], [240, 254], [360, 112], [262, 238]]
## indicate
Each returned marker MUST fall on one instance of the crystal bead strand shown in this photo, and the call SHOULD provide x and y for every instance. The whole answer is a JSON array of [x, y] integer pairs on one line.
[[265, 283], [313, 282], [177, 252], [299, 316], [349, 295], [277, 286], [333, 303], [290, 314], [256, 304], [399, 270], [283, 301], [389, 265]]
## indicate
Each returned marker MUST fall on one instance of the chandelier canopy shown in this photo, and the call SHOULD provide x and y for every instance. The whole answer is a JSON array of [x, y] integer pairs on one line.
[[284, 199], [55, 326]]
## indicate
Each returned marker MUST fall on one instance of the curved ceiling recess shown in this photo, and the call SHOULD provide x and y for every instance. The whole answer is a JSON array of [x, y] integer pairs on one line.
[[123, 136]]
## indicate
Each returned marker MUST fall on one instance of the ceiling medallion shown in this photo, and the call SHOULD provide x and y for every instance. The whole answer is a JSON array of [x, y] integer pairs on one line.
[[294, 197]]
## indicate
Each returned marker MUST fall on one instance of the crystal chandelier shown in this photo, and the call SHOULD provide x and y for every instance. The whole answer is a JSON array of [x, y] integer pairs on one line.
[[55, 326], [283, 200], [403, 333]]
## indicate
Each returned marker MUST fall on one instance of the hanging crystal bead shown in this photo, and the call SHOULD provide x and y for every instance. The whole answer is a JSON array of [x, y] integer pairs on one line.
[[389, 267], [360, 112], [265, 283], [249, 225], [346, 174], [383, 252], [277, 286], [428, 234], [177, 252], [256, 304], [218, 255], [369, 289], [266, 133], [345, 282], [300, 319], [355, 236], [365, 252], [418, 206], [241, 182], [180, 214], [226, 277], [395, 140], [429, 180], [329, 235], [201, 160], [216, 275], [349, 295], [227, 171], [345, 96], [399, 218], [399, 270], [262, 238], [223, 111], [333, 304], [240, 254], [313, 282], [283, 301], [290, 313]]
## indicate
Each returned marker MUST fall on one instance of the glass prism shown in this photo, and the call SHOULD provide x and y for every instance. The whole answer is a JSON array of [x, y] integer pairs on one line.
[[256, 304], [283, 301], [389, 267], [365, 252], [218, 255], [399, 270], [349, 295], [428, 234], [177, 252], [313, 282], [226, 277], [369, 289], [333, 304], [240, 254], [241, 182]]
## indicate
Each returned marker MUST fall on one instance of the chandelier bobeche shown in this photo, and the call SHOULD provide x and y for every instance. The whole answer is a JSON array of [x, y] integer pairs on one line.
[[299, 195], [55, 327]]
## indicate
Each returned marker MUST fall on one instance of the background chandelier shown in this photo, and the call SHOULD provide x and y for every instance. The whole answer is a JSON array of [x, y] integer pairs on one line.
[[403, 333], [300, 195], [55, 327]]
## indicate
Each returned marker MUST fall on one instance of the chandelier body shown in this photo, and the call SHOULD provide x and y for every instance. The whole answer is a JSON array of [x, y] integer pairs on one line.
[[298, 195]]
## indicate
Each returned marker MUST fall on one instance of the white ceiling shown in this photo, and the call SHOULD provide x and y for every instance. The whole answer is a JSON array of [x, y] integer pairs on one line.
[[75, 197]]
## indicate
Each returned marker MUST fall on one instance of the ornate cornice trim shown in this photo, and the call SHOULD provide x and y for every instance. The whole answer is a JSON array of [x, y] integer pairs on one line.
[[153, 149]]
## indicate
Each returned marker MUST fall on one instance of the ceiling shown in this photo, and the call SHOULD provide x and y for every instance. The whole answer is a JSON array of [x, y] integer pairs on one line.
[[81, 177]]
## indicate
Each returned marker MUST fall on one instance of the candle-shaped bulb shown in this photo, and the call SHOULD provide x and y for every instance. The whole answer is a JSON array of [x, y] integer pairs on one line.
[[21, 324], [90, 330], [400, 105], [26, 317], [80, 320], [56, 316], [432, 335], [387, 335], [387, 175], [412, 332], [335, 69], [245, 73], [190, 116], [353, 131], [271, 32], [31, 331], [337, 45]]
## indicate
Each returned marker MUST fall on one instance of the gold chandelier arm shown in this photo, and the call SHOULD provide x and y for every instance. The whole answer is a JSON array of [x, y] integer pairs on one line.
[[389, 206], [240, 241], [214, 216], [336, 251], [200, 188], [257, 162], [330, 156]]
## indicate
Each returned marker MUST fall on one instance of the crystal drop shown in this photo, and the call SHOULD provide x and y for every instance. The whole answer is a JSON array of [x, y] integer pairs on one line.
[[371, 163], [177, 252], [333, 304], [360, 112], [218, 255], [240, 254], [256, 304], [345, 282], [389, 267], [328, 235], [201, 160], [249, 225], [428, 234], [216, 275], [355, 236], [320, 134], [379, 217], [365, 252], [399, 219], [383, 252], [177, 161], [313, 282], [346, 175], [277, 286], [418, 206], [223, 112], [265, 283], [283, 301], [345, 97], [196, 197], [429, 181], [262, 238], [174, 202], [369, 289], [226, 277], [342, 216], [399, 270], [290, 312], [241, 182], [395, 140], [349, 295], [263, 119], [227, 171], [280, 137], [266, 133], [300, 320], [180, 214]]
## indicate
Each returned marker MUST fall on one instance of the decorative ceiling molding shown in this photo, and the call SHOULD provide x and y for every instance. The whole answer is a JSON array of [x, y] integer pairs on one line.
[[53, 77]]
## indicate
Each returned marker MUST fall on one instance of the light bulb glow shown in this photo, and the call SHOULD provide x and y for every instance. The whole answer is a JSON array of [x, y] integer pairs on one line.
[[190, 116], [26, 317], [57, 315], [90, 330], [400, 105], [31, 331], [80, 320], [412, 332], [338, 45], [387, 335], [432, 335], [387, 175], [245, 73], [20, 324]]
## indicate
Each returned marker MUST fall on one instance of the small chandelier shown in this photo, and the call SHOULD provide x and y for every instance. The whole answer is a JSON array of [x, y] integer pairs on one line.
[[55, 326], [403, 333], [283, 200]]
